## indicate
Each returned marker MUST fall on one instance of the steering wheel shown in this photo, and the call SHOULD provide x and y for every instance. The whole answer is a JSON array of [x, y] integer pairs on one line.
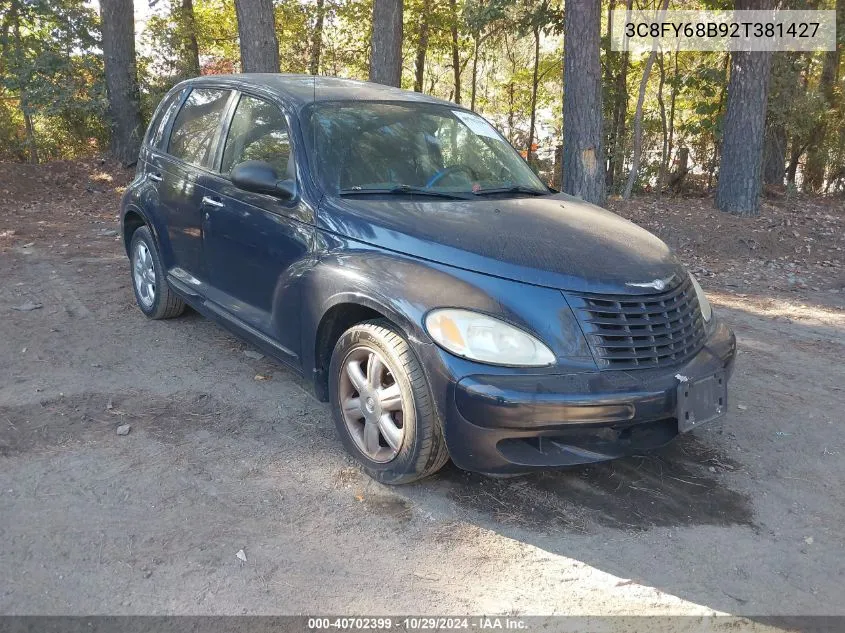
[[448, 171]]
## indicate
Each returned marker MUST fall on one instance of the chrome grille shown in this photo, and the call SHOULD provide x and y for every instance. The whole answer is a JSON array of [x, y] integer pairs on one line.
[[654, 330]]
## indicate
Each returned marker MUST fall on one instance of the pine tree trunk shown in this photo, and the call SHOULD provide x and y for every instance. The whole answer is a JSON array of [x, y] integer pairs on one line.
[[620, 118], [422, 47], [456, 58], [317, 39], [386, 54], [257, 33], [118, 26], [608, 81], [583, 162], [191, 48], [740, 178]]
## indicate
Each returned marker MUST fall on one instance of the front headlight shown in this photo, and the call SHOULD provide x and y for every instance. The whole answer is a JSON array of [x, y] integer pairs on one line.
[[703, 303], [482, 338]]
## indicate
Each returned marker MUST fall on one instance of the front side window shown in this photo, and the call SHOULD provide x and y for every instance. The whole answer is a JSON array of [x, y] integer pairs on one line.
[[258, 131], [196, 124], [373, 146]]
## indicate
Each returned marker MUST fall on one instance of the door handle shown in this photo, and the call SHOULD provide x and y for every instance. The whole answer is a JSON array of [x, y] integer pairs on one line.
[[155, 177], [212, 202]]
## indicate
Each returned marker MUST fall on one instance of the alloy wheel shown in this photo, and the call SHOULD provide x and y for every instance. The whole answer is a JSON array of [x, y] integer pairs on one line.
[[143, 274], [371, 404]]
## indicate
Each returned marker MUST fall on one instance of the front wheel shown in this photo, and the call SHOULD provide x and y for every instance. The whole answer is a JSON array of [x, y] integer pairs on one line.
[[382, 405]]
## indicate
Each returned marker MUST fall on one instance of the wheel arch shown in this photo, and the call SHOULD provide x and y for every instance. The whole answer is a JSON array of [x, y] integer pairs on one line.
[[339, 314], [132, 219]]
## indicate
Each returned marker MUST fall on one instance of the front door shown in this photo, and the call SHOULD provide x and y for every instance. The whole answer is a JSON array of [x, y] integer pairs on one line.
[[250, 239]]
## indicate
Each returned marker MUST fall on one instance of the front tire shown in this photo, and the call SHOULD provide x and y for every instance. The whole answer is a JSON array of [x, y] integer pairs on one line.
[[153, 295], [382, 405]]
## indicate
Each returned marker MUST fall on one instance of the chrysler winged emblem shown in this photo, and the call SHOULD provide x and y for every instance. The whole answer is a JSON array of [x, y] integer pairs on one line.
[[657, 284]]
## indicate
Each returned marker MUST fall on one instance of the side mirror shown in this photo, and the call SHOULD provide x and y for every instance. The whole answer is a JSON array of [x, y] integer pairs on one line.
[[261, 177]]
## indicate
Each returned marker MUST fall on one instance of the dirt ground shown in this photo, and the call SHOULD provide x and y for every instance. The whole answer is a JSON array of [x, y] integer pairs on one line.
[[742, 517]]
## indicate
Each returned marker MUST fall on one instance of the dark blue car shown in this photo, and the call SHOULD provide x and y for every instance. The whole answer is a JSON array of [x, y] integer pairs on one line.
[[398, 252]]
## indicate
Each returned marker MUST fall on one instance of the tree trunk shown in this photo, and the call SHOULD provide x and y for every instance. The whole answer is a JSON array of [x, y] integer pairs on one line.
[[672, 99], [607, 82], [257, 32], [511, 113], [191, 48], [814, 170], [422, 47], [638, 119], [677, 178], [716, 141], [795, 152], [477, 45], [317, 39], [386, 54], [638, 127], [583, 165], [620, 118], [774, 155], [664, 127], [456, 58], [118, 25], [534, 81], [738, 189]]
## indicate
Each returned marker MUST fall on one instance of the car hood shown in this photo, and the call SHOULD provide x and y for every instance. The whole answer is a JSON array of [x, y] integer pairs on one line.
[[555, 241]]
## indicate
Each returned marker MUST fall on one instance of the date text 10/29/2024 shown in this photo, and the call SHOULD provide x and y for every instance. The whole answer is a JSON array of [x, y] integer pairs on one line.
[[417, 623]]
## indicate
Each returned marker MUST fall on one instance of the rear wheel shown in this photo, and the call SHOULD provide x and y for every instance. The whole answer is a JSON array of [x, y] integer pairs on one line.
[[382, 405], [153, 295]]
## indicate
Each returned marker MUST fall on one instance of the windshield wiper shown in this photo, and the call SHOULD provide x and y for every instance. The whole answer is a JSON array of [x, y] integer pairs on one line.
[[513, 189], [406, 189]]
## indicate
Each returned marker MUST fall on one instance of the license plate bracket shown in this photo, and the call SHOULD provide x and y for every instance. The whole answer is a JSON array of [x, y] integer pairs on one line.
[[702, 400]]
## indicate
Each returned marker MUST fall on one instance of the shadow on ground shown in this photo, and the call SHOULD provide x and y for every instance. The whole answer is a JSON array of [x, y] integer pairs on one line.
[[675, 486]]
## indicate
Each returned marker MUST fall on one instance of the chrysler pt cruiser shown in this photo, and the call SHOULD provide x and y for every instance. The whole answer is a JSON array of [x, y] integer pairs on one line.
[[395, 250]]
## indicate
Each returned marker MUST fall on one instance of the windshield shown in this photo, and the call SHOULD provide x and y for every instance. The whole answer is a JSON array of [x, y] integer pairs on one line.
[[406, 148]]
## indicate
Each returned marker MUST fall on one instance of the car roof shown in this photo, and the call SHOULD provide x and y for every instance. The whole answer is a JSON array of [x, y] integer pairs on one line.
[[301, 90]]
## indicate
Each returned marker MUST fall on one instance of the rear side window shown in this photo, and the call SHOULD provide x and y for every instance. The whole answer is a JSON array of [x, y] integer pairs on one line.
[[196, 124], [258, 131], [163, 117]]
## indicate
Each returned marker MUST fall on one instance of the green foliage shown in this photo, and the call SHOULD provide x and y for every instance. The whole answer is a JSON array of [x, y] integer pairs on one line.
[[50, 70]]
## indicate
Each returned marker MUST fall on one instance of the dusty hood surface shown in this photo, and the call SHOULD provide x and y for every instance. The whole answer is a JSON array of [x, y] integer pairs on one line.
[[554, 241]]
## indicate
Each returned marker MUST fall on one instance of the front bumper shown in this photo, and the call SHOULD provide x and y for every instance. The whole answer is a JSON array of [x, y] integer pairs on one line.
[[507, 423]]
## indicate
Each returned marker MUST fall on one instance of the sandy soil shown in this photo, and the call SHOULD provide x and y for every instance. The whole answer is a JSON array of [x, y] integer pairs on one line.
[[743, 517]]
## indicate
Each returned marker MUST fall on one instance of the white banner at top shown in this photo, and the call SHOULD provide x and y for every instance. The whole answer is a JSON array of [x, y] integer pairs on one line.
[[776, 30]]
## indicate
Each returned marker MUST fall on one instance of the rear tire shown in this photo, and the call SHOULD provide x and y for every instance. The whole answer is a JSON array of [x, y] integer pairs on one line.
[[408, 443], [152, 294]]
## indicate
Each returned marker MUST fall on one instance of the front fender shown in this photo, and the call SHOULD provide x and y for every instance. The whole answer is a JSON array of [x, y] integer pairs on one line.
[[405, 288]]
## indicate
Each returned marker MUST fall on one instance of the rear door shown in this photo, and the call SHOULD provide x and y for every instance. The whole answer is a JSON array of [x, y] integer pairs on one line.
[[183, 174], [251, 240]]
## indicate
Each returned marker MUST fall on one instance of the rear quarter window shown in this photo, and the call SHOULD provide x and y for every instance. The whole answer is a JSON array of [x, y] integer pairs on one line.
[[163, 116]]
